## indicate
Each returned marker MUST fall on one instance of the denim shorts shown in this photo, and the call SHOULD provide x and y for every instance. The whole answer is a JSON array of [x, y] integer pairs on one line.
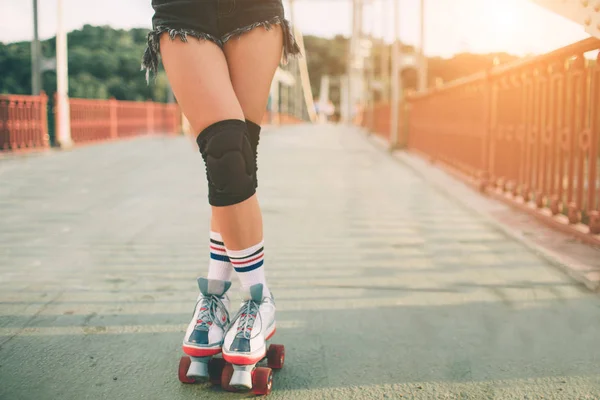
[[214, 20]]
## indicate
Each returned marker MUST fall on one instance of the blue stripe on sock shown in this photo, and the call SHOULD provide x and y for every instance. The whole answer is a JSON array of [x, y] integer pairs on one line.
[[249, 267], [219, 257]]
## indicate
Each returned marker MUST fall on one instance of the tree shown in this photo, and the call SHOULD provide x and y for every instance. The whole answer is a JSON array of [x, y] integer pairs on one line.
[[105, 62]]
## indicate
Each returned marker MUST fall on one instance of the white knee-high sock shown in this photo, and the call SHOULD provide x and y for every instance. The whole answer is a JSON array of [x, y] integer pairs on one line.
[[219, 266], [249, 266]]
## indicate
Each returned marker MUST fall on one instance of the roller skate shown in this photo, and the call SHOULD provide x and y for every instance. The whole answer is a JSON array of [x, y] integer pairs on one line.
[[245, 346], [204, 336]]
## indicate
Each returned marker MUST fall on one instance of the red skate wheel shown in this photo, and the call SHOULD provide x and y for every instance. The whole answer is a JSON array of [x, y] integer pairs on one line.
[[226, 375], [215, 369], [262, 381], [184, 366], [276, 356]]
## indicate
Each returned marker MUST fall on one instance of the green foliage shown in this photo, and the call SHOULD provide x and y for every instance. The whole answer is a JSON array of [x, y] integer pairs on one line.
[[15, 67], [326, 57], [105, 62]]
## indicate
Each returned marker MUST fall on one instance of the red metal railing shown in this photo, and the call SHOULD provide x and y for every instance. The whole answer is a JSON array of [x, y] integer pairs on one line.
[[527, 133], [450, 125], [23, 122], [377, 119], [95, 120]]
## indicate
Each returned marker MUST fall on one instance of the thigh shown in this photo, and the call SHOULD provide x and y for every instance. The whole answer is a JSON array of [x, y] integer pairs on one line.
[[185, 34], [252, 60], [254, 33], [199, 76]]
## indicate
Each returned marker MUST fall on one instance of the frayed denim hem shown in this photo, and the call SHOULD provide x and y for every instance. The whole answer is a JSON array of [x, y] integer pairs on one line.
[[151, 54], [290, 46], [150, 59]]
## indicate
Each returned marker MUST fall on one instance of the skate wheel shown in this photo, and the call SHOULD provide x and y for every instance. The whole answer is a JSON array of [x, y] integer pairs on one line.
[[276, 356], [226, 375], [262, 381], [215, 370], [184, 366]]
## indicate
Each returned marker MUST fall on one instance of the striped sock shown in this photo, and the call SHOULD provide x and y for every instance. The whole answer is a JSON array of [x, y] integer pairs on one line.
[[219, 266], [248, 264]]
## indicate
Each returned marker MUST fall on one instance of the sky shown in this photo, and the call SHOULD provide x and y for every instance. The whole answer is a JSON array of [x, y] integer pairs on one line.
[[451, 26]]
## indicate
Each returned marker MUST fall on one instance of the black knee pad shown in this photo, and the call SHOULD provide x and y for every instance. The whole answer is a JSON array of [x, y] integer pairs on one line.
[[229, 160], [253, 137]]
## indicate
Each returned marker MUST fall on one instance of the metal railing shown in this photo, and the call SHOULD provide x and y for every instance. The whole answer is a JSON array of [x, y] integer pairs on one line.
[[97, 120], [377, 119], [527, 133], [23, 122]]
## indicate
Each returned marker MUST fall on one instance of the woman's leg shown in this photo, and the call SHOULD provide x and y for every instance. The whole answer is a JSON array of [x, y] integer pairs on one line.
[[199, 75], [255, 35], [210, 101], [252, 60]]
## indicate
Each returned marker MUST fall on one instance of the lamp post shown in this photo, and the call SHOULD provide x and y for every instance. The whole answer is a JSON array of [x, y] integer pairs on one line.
[[396, 82], [63, 135], [422, 59], [36, 74]]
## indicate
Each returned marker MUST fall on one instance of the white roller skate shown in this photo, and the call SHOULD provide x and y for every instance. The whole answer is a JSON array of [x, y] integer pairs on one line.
[[204, 336], [245, 345]]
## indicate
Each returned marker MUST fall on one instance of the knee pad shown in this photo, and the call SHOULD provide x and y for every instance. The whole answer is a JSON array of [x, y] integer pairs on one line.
[[253, 137], [229, 160]]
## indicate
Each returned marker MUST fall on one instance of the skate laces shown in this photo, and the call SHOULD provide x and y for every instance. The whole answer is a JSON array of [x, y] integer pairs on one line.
[[209, 305], [247, 315]]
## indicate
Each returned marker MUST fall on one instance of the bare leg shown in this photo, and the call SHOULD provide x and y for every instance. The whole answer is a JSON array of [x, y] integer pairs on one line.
[[199, 75], [252, 59], [251, 68], [207, 83]]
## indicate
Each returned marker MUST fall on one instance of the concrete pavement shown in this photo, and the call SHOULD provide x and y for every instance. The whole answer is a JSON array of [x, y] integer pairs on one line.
[[385, 287]]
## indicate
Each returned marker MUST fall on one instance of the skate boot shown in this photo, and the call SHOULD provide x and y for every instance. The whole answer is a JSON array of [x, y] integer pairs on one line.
[[245, 345], [204, 336]]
